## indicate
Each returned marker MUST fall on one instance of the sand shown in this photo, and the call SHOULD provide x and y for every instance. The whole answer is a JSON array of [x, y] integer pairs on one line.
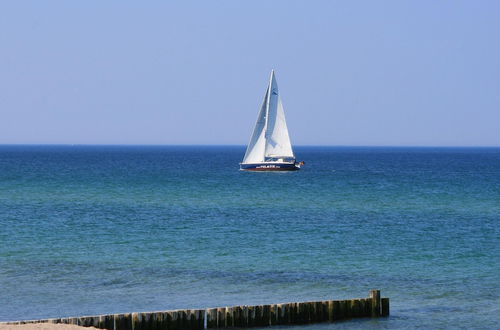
[[42, 326]]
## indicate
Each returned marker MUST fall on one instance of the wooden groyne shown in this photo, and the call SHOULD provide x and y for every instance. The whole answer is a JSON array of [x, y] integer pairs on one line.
[[236, 316]]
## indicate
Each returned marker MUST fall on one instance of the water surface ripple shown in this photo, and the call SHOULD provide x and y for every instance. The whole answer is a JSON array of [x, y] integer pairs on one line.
[[106, 229]]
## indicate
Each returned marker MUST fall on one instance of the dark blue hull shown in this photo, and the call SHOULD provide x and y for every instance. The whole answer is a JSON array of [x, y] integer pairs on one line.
[[270, 167]]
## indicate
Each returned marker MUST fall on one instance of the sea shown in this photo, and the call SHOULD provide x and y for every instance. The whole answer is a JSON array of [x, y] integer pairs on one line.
[[87, 230]]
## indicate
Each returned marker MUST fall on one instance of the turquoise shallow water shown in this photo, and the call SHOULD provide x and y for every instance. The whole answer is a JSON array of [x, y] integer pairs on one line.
[[106, 229]]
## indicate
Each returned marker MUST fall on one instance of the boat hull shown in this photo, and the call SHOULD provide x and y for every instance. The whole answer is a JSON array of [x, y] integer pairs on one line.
[[268, 167]]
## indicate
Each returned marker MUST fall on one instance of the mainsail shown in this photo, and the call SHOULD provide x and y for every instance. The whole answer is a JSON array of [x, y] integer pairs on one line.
[[270, 139]]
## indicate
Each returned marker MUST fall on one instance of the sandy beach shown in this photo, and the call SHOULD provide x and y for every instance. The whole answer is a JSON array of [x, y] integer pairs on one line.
[[41, 326]]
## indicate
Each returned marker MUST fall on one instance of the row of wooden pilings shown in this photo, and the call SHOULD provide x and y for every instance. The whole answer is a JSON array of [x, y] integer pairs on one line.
[[237, 316]]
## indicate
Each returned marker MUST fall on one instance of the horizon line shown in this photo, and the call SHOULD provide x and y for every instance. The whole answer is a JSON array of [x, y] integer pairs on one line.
[[244, 145]]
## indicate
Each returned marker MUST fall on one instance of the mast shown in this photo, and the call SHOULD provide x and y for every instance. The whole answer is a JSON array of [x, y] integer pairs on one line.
[[269, 91], [278, 143]]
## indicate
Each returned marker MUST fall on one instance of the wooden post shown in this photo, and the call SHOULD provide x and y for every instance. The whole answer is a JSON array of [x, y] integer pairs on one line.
[[356, 308], [347, 309], [266, 315], [322, 307], [171, 320], [162, 320], [306, 312], [280, 314], [258, 315], [221, 317], [147, 321], [152, 320], [375, 296], [362, 308], [245, 316], [385, 306], [183, 320], [330, 311], [273, 315], [335, 310], [343, 309], [229, 317], [136, 321], [106, 322], [301, 313], [123, 322], [211, 318], [238, 316], [290, 309], [95, 321], [315, 312], [251, 316], [367, 312], [194, 320], [351, 308], [177, 319]]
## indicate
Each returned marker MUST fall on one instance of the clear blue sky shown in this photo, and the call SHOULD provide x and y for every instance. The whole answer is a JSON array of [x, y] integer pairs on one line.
[[195, 72]]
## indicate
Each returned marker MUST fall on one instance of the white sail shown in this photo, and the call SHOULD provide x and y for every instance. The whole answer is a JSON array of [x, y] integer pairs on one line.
[[270, 137], [256, 147], [278, 143]]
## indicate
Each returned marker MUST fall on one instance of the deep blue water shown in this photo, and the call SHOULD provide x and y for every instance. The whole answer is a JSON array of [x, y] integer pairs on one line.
[[105, 229]]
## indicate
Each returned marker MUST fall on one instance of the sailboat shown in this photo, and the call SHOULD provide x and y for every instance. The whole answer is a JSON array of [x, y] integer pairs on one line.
[[270, 148]]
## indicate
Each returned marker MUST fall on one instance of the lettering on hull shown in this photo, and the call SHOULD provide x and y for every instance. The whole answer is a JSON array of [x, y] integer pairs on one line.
[[269, 167]]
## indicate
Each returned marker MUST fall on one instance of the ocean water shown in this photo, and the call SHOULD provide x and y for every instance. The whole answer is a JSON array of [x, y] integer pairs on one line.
[[107, 229]]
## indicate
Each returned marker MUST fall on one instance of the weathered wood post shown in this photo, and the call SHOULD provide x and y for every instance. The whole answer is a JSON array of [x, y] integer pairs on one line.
[[123, 321], [266, 315], [136, 321], [257, 320], [294, 313], [281, 316], [172, 320], [245, 315], [221, 317], [363, 308], [342, 311], [376, 306], [385, 306], [105, 322], [238, 317], [194, 319], [251, 316], [330, 311], [229, 317], [273, 314], [354, 304], [211, 318]]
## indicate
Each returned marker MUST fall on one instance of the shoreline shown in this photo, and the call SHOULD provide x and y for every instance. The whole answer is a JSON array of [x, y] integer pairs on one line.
[[41, 326]]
